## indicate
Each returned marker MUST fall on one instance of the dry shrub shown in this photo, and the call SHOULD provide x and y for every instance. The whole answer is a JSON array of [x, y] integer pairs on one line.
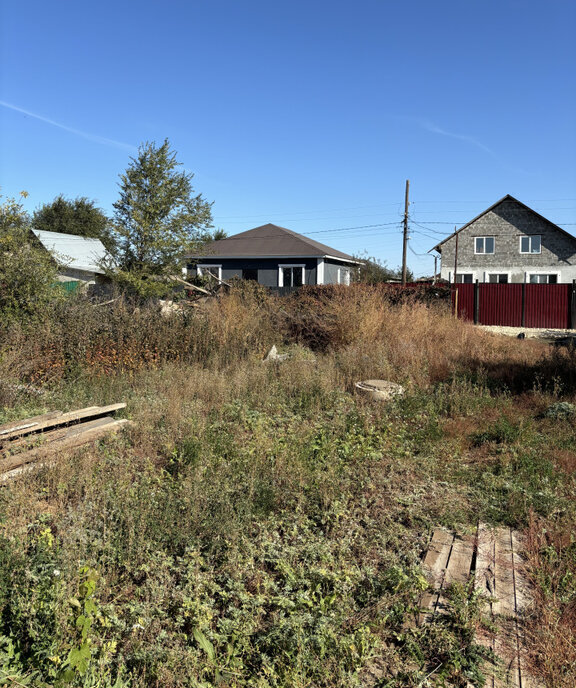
[[552, 565]]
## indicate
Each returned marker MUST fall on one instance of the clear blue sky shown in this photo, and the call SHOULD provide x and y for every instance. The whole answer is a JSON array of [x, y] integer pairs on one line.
[[310, 115]]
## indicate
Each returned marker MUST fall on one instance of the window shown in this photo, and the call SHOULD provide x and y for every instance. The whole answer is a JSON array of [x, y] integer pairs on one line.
[[543, 279], [250, 274], [464, 278], [214, 271], [344, 276], [531, 244], [483, 244], [498, 278], [290, 275]]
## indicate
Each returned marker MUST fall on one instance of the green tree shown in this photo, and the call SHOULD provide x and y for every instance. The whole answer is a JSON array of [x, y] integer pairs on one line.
[[27, 271], [79, 216], [373, 270], [157, 221]]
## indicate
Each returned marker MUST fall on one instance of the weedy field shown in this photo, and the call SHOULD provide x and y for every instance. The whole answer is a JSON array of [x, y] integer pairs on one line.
[[261, 524]]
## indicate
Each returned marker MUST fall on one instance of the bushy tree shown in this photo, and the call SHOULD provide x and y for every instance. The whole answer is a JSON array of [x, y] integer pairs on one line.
[[79, 216], [373, 270], [157, 221], [27, 272]]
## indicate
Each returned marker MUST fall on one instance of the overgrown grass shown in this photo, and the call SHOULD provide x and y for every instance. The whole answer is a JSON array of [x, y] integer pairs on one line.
[[261, 525]]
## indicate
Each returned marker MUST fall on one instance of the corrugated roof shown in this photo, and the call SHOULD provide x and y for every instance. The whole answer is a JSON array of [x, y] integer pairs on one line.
[[73, 251], [271, 241]]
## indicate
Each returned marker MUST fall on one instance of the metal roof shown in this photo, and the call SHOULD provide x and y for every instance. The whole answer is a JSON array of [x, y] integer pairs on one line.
[[74, 251], [271, 241]]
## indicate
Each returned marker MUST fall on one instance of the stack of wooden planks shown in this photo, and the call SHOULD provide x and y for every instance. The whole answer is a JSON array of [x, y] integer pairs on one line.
[[24, 442], [492, 560]]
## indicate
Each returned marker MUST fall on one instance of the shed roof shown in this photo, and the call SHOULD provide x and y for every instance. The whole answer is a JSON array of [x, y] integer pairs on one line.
[[74, 251], [271, 241]]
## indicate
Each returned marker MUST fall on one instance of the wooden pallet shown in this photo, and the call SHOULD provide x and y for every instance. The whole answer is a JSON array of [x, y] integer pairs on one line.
[[492, 560], [26, 442]]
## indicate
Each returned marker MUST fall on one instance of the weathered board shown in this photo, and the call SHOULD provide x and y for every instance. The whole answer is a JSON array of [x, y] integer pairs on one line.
[[493, 560], [26, 442]]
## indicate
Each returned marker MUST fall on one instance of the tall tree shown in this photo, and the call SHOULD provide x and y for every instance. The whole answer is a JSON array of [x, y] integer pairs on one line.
[[158, 220], [79, 216]]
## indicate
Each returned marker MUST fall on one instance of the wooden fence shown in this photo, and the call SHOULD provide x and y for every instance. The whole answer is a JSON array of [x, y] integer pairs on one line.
[[517, 305]]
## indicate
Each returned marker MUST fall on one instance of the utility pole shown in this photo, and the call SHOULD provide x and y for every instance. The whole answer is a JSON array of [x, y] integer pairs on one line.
[[456, 256], [405, 242]]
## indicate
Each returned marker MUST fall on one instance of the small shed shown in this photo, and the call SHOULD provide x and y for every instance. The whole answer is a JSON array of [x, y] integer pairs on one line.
[[79, 259]]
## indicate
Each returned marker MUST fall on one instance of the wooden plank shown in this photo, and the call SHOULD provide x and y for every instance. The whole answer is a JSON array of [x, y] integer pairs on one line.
[[506, 642], [458, 568], [27, 422], [484, 574], [76, 439], [43, 438], [504, 573], [435, 563], [62, 419]]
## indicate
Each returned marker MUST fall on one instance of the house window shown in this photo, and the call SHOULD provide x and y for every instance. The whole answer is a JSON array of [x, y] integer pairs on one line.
[[498, 278], [290, 275], [464, 278], [214, 271], [543, 279], [483, 245], [250, 274], [531, 244], [344, 276]]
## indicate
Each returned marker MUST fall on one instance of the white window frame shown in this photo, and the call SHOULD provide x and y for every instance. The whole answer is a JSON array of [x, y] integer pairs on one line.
[[487, 274], [208, 266], [528, 274], [346, 272], [462, 272], [531, 253], [320, 271], [289, 265], [465, 272], [484, 253]]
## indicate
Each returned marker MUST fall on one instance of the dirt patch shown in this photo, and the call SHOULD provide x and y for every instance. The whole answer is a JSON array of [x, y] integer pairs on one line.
[[529, 332]]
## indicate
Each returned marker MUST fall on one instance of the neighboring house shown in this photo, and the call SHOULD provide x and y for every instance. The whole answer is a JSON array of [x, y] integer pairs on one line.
[[509, 242], [79, 259], [275, 257]]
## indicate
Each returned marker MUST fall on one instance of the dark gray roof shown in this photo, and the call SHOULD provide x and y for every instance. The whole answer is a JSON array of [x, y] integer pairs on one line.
[[273, 242], [507, 198]]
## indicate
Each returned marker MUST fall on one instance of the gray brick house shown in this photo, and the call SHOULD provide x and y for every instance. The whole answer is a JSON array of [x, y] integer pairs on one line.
[[509, 242], [275, 257]]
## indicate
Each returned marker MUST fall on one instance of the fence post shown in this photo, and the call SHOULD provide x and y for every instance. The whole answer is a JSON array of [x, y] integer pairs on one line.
[[476, 302], [523, 319], [572, 319]]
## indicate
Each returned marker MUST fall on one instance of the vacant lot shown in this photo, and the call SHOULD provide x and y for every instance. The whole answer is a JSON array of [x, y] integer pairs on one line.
[[262, 525]]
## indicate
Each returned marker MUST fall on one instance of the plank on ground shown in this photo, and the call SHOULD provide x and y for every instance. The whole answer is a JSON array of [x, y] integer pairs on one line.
[[45, 438], [62, 419], [458, 569], [76, 438], [26, 423], [435, 563]]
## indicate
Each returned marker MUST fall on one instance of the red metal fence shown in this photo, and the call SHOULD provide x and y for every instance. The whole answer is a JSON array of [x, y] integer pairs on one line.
[[517, 305]]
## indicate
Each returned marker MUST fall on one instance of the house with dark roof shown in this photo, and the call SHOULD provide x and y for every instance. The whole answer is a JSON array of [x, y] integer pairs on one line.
[[275, 257], [508, 243]]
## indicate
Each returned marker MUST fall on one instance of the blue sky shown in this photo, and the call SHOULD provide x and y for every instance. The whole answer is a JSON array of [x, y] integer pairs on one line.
[[310, 115]]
